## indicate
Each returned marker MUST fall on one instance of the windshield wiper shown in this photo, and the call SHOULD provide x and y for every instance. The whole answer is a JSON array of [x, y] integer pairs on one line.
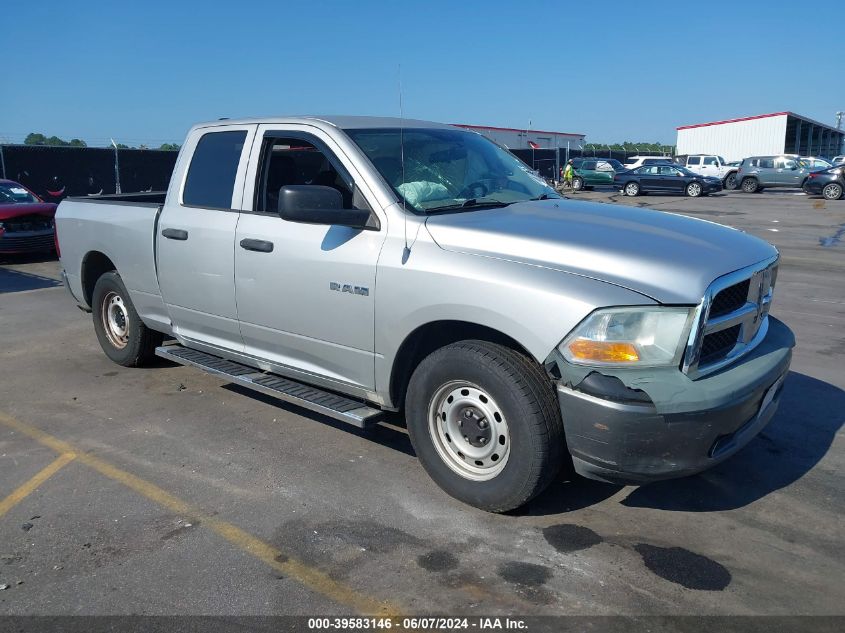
[[472, 203], [545, 196]]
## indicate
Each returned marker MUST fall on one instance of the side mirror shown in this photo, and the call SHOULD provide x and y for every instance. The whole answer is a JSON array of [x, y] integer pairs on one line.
[[315, 204]]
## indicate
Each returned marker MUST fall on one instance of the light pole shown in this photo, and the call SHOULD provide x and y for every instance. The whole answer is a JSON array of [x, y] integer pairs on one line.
[[116, 168]]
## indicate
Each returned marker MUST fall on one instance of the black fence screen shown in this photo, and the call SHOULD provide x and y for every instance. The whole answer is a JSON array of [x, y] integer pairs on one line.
[[57, 172]]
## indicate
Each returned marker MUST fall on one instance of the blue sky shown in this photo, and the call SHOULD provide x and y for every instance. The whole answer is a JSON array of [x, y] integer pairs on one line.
[[146, 71]]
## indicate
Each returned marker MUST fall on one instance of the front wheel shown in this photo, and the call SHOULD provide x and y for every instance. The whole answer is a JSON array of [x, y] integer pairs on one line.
[[632, 189], [832, 191], [730, 182], [485, 424], [694, 189], [122, 335]]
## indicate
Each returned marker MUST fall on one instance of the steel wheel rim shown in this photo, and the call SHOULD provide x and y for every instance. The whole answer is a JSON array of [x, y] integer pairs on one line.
[[694, 189], [115, 319], [631, 189], [460, 416], [730, 183], [832, 192]]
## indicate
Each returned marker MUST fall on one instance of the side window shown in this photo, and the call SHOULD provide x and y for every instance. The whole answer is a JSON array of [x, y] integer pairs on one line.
[[604, 166], [589, 165], [767, 163], [710, 160], [293, 161], [211, 175], [694, 160], [788, 163]]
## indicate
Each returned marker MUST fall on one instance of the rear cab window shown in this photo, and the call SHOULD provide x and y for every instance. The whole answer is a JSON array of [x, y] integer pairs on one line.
[[210, 182], [694, 160]]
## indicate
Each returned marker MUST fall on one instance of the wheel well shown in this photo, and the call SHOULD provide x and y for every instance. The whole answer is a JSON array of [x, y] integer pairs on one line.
[[94, 265], [432, 336]]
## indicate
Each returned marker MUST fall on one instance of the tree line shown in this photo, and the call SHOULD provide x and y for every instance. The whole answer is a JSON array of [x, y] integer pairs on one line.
[[36, 138]]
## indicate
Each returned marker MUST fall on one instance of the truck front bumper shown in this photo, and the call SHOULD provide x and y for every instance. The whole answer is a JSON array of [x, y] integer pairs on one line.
[[636, 426]]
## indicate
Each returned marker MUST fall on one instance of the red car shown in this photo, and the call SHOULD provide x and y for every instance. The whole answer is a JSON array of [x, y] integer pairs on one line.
[[26, 222]]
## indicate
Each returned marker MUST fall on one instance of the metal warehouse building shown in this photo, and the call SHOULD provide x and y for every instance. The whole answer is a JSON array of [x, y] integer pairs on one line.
[[765, 134], [514, 138]]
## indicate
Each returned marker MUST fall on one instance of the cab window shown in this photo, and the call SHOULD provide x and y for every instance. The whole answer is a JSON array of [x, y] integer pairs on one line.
[[710, 160], [294, 161], [694, 160], [210, 182]]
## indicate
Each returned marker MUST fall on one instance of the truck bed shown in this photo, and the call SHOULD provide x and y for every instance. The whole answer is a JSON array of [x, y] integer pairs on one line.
[[122, 228]]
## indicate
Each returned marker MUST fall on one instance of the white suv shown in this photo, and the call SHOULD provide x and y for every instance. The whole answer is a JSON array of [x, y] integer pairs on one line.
[[711, 165]]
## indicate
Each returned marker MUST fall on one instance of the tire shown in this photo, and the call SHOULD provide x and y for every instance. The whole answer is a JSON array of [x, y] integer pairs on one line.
[[750, 185], [730, 182], [122, 335], [694, 189], [632, 189], [478, 383], [832, 191], [577, 183]]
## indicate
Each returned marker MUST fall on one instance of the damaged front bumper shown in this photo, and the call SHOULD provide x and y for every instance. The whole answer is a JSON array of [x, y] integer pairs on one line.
[[640, 425]]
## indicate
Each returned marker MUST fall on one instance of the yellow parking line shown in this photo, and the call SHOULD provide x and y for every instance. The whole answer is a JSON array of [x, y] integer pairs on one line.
[[30, 486], [306, 575]]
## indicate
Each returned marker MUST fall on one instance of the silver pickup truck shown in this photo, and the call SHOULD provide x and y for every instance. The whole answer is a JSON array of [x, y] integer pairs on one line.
[[357, 266]]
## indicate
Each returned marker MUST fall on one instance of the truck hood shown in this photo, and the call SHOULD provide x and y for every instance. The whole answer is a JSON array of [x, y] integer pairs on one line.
[[667, 257], [18, 209]]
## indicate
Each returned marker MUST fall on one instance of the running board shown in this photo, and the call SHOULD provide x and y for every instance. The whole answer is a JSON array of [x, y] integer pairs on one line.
[[333, 405]]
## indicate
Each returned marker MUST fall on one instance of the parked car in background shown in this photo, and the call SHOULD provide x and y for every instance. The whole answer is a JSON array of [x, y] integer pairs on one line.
[[710, 165], [829, 182], [734, 163], [26, 222], [590, 172], [632, 162], [668, 178], [839, 160], [759, 172]]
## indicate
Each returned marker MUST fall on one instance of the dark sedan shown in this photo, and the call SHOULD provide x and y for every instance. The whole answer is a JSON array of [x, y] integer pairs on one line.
[[666, 179], [830, 183], [26, 223]]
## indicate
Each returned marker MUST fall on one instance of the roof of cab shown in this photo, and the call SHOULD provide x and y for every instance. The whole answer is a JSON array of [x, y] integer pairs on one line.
[[342, 122]]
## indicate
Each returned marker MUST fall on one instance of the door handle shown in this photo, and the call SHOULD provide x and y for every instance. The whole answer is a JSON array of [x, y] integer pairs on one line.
[[175, 234], [260, 246]]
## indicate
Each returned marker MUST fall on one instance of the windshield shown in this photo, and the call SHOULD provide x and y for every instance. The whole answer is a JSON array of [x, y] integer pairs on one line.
[[448, 169], [11, 192]]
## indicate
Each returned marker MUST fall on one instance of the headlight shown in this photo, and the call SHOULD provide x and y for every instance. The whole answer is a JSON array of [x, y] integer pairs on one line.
[[621, 337]]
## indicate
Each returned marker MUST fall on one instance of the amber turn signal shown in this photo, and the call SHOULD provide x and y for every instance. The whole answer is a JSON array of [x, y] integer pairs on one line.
[[603, 351]]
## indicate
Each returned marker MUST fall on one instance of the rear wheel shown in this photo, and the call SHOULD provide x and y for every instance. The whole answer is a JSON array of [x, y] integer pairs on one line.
[[632, 189], [485, 424], [122, 335], [694, 189], [730, 182], [750, 185], [832, 191], [577, 183]]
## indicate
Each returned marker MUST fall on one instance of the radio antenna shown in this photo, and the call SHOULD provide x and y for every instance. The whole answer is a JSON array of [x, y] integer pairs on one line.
[[407, 251]]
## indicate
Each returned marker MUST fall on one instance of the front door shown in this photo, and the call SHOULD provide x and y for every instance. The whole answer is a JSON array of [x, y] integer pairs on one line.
[[306, 292], [195, 238]]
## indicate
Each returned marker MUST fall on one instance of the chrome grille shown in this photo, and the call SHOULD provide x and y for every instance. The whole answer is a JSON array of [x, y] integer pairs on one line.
[[731, 319]]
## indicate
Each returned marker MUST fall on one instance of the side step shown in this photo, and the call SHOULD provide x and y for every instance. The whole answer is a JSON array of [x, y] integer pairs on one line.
[[333, 405]]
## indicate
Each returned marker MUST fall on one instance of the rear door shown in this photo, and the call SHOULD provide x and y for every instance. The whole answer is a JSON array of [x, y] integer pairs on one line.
[[306, 292], [694, 163], [196, 233], [709, 166], [671, 179], [649, 178]]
